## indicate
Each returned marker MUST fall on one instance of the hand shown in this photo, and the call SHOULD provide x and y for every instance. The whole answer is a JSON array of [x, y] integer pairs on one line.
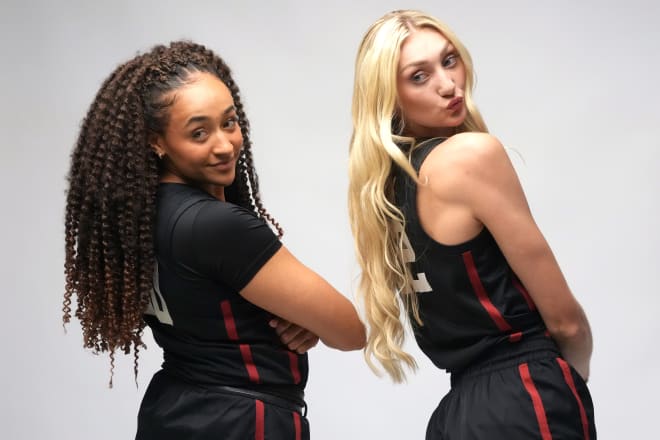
[[296, 338]]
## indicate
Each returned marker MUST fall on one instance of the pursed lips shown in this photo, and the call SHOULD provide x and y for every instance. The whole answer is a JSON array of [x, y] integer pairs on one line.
[[455, 103]]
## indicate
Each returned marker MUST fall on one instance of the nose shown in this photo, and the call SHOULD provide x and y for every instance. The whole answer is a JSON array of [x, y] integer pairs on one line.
[[223, 144], [445, 83]]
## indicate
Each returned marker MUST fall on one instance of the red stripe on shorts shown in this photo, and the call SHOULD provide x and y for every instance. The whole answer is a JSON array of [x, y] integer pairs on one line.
[[536, 401], [297, 426], [259, 420], [568, 377]]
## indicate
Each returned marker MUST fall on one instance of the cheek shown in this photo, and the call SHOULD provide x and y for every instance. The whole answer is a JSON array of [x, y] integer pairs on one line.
[[412, 100], [237, 140]]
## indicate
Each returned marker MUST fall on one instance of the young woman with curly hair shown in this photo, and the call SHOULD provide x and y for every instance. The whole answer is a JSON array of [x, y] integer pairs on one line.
[[441, 226], [165, 227]]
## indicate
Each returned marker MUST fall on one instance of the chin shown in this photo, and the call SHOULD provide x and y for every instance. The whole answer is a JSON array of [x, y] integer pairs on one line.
[[226, 180]]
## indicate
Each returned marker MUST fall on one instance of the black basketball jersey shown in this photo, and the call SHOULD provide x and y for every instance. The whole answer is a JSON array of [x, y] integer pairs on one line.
[[207, 250], [469, 298]]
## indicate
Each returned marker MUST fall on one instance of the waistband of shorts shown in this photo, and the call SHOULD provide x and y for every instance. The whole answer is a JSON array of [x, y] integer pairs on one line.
[[286, 397], [507, 354], [298, 406]]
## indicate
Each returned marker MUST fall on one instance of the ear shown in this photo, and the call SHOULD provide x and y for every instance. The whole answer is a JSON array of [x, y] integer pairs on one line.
[[156, 144]]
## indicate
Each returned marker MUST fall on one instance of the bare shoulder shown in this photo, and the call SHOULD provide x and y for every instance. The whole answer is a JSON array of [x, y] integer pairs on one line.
[[472, 148], [462, 158]]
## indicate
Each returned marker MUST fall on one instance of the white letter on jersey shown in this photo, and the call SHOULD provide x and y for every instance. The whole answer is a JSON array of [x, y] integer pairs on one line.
[[420, 284], [157, 306]]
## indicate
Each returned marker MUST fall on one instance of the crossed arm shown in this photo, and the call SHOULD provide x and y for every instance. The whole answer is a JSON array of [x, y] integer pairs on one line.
[[307, 305]]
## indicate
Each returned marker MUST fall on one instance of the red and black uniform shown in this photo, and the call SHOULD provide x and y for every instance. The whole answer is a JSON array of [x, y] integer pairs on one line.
[[508, 379], [225, 373]]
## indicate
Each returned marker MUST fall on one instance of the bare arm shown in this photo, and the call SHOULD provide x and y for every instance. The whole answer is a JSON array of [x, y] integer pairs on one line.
[[290, 290], [293, 336], [490, 189]]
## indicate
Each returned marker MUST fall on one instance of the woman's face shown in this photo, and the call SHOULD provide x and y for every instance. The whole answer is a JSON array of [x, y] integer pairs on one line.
[[430, 85], [202, 141]]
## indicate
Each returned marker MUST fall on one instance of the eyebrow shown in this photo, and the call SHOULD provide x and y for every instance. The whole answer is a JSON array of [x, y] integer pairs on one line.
[[195, 119], [444, 50]]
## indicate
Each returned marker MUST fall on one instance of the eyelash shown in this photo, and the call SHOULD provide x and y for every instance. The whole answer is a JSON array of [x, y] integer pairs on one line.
[[200, 134], [233, 120], [420, 76], [451, 57]]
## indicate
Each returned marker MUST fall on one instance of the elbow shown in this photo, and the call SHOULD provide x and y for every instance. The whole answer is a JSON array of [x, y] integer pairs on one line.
[[569, 326], [353, 340], [360, 340], [577, 330], [357, 340]]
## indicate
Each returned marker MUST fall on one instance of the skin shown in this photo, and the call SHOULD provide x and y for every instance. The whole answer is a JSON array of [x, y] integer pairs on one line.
[[200, 147], [430, 76], [469, 183], [202, 140]]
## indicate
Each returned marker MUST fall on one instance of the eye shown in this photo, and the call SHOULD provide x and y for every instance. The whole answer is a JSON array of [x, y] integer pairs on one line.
[[419, 77], [199, 135], [450, 60], [230, 123]]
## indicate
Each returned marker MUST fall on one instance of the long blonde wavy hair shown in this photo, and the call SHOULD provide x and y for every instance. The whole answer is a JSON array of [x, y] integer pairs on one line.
[[376, 223]]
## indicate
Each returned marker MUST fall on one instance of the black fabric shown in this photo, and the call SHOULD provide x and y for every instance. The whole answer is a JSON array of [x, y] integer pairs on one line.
[[491, 402], [457, 329], [207, 251], [176, 410], [480, 324]]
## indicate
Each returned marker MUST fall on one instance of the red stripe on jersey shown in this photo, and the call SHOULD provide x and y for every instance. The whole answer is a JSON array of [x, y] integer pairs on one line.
[[524, 293], [249, 363], [536, 401], [246, 352], [495, 314], [515, 337], [293, 364], [259, 420], [228, 316], [568, 377], [297, 426]]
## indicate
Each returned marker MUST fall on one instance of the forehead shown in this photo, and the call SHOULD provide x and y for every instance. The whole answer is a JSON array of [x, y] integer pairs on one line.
[[203, 94], [422, 43]]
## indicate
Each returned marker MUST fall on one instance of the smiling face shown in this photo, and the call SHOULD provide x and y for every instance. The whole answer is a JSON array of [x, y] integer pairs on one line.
[[430, 85], [202, 140]]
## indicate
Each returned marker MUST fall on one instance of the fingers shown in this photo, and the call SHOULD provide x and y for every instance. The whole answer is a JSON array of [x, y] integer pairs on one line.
[[306, 345], [293, 336], [280, 326]]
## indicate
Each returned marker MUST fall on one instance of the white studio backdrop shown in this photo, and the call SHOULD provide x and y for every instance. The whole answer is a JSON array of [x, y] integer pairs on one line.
[[570, 86]]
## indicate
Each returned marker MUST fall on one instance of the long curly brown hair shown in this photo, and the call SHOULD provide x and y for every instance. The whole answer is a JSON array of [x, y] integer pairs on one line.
[[114, 174]]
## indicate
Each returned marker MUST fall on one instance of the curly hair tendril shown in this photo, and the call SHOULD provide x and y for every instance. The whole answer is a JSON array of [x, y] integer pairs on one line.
[[111, 199]]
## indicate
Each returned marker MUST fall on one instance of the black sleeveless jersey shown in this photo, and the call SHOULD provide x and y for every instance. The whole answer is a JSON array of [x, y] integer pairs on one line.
[[207, 250], [469, 298]]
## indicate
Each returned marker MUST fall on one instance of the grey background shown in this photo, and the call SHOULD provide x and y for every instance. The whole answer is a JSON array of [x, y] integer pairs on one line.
[[571, 86]]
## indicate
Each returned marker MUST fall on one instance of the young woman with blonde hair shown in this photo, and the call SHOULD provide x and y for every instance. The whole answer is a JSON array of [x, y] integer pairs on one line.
[[442, 229]]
